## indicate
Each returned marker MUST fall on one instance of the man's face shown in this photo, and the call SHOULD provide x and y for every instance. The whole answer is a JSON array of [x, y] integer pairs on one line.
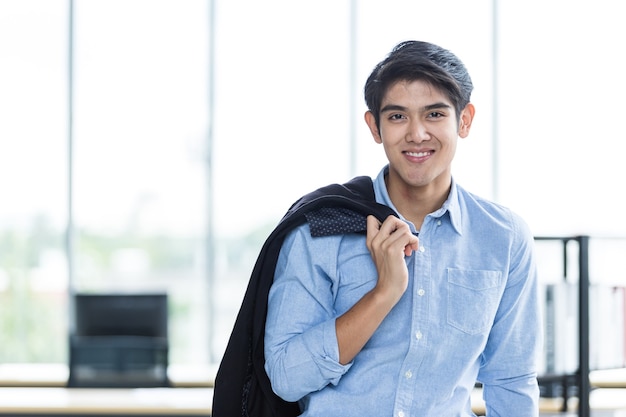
[[419, 131]]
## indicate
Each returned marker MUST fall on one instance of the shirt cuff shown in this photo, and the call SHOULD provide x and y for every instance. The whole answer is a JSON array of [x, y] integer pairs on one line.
[[328, 360]]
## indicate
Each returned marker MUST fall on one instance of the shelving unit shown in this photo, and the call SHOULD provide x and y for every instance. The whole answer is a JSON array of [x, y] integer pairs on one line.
[[580, 379]]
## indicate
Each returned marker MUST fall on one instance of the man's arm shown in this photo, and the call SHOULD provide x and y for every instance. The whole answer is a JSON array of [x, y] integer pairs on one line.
[[508, 371]]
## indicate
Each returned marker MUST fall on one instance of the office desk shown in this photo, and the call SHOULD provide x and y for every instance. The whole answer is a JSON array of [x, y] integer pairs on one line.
[[110, 402]]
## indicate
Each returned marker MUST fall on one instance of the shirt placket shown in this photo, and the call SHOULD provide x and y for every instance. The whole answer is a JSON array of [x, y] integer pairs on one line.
[[419, 272]]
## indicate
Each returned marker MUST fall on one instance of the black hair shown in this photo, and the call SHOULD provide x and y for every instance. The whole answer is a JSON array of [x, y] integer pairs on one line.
[[419, 61]]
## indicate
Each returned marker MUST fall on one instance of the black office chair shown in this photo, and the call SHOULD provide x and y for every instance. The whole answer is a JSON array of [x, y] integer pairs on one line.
[[119, 340]]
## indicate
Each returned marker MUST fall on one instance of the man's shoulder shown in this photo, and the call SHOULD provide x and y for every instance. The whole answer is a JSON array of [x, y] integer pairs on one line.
[[474, 201], [479, 207]]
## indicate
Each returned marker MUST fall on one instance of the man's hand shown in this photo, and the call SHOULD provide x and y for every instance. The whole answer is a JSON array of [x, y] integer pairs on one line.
[[388, 244]]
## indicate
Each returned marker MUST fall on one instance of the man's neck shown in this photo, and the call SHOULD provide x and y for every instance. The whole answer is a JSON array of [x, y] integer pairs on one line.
[[415, 203]]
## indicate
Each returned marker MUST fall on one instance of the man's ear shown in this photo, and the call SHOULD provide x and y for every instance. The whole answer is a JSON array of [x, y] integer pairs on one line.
[[371, 123], [465, 121]]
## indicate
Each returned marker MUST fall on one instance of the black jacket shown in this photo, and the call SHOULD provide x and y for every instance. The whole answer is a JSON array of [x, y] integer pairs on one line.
[[242, 387]]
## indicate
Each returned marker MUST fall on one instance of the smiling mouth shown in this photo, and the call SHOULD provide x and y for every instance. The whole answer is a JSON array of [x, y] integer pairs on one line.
[[418, 154]]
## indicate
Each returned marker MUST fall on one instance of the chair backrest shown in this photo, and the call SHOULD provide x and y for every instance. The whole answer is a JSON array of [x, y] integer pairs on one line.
[[119, 340]]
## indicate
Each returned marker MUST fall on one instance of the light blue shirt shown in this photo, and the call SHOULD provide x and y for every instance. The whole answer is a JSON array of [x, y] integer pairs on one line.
[[470, 313]]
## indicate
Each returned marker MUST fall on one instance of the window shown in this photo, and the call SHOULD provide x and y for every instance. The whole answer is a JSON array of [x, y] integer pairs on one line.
[[33, 181], [140, 145], [195, 125]]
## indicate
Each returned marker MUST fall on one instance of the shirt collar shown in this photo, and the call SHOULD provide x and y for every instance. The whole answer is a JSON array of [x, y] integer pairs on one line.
[[451, 206]]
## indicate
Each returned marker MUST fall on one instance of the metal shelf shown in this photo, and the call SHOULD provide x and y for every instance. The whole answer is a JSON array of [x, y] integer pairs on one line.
[[579, 379]]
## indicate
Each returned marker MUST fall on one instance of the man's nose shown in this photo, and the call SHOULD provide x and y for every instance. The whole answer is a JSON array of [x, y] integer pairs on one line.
[[418, 132]]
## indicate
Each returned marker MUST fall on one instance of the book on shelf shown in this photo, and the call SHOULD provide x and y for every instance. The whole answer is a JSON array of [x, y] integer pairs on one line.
[[606, 327], [560, 327]]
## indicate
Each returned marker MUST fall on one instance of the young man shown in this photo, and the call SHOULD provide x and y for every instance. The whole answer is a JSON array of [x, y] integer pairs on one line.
[[404, 319]]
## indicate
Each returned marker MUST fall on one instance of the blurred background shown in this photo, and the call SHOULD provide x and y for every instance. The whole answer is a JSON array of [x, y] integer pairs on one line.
[[152, 145]]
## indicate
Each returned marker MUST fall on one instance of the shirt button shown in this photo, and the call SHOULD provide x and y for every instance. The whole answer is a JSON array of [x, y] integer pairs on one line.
[[438, 222], [400, 413], [408, 374], [422, 249], [418, 335], [421, 292]]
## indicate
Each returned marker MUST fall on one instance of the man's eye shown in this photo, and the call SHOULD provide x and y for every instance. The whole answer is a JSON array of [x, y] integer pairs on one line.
[[395, 117], [434, 115]]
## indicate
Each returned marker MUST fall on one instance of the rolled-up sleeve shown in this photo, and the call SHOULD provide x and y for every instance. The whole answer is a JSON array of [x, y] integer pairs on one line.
[[301, 350]]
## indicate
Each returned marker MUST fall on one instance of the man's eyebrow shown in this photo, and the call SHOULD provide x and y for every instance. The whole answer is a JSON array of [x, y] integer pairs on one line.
[[393, 107], [434, 106]]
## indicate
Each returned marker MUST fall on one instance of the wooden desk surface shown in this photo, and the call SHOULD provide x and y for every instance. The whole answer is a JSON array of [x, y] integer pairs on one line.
[[184, 402], [105, 401], [600, 399], [39, 389]]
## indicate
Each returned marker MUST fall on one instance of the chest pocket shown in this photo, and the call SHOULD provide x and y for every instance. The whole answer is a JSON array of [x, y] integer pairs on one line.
[[473, 298]]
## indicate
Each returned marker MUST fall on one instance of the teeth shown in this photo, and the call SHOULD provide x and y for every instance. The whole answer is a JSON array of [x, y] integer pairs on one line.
[[418, 154]]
